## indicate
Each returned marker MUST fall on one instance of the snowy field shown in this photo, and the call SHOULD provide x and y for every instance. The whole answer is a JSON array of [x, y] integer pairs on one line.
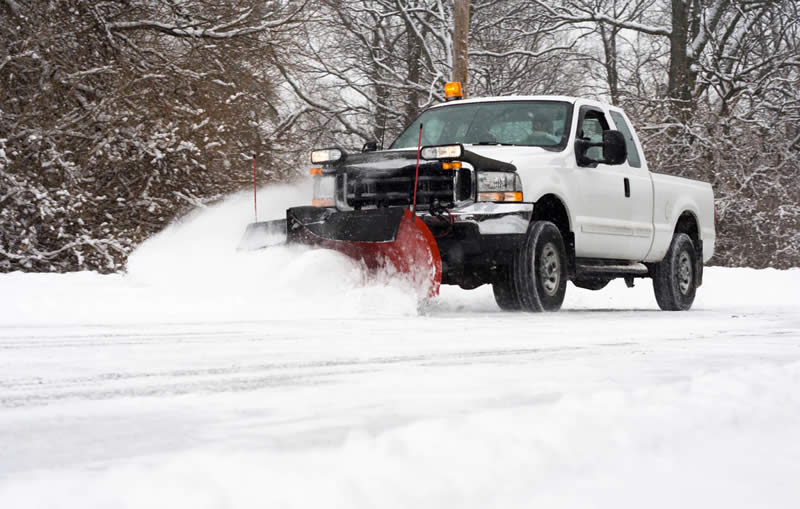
[[205, 378]]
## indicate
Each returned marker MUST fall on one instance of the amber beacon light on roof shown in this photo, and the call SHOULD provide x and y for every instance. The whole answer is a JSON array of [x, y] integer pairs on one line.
[[452, 91]]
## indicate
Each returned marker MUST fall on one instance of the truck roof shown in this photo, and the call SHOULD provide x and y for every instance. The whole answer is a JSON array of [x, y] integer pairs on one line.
[[563, 98]]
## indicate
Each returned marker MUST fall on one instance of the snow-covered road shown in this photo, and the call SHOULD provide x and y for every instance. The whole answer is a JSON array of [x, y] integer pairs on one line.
[[287, 379]]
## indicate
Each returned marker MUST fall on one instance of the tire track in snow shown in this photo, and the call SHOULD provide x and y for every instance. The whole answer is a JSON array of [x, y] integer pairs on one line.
[[38, 391]]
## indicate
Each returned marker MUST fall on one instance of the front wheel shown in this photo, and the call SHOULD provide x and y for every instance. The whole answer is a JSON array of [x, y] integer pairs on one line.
[[539, 269], [505, 294], [674, 278]]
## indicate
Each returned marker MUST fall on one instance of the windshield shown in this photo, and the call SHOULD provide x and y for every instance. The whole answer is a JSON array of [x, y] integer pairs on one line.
[[528, 123]]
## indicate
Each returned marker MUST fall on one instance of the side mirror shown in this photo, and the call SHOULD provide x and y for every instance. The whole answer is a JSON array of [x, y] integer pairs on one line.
[[615, 151], [581, 146], [370, 146]]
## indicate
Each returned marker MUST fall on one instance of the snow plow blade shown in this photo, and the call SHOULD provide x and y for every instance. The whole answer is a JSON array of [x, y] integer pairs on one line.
[[388, 238], [384, 239]]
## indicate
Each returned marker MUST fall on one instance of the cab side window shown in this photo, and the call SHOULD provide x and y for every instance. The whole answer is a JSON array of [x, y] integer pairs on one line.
[[590, 128], [622, 126]]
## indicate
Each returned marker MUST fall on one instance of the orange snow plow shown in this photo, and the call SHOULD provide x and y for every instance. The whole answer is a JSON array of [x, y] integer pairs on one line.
[[389, 239]]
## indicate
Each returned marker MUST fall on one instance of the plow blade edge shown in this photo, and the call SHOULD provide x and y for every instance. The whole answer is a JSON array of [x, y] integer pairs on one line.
[[263, 234]]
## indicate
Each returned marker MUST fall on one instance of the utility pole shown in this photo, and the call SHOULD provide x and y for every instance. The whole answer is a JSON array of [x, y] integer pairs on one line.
[[460, 37]]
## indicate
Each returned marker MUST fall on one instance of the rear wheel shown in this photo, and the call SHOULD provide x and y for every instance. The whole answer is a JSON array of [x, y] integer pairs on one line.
[[539, 270], [674, 279]]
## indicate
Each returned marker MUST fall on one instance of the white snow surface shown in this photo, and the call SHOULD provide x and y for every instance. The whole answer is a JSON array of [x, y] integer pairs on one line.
[[210, 378]]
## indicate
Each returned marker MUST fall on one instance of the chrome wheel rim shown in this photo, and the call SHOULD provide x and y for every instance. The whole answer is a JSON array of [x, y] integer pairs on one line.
[[685, 272], [550, 269]]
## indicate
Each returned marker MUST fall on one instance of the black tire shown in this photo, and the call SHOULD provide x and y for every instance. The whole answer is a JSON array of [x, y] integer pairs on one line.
[[505, 295], [674, 277], [591, 283], [539, 269]]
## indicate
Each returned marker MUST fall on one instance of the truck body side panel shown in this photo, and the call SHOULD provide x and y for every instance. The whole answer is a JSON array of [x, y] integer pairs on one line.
[[674, 196]]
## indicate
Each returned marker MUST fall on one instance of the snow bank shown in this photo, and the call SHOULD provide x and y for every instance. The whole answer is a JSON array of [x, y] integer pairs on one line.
[[298, 283], [724, 288], [726, 439]]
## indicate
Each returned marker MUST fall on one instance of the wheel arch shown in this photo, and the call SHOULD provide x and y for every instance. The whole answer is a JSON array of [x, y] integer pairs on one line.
[[688, 223], [551, 207]]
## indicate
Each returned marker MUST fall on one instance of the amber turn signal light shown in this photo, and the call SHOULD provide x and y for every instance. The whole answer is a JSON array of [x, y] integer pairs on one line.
[[322, 202], [513, 196], [315, 171], [455, 165]]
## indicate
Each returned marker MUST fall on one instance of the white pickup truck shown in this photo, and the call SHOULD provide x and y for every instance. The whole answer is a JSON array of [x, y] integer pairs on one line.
[[524, 193]]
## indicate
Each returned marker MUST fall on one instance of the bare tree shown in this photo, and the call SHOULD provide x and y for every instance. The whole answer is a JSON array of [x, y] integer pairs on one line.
[[370, 66], [115, 116], [460, 41]]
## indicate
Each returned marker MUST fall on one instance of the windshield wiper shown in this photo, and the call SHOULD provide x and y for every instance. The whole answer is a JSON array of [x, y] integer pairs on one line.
[[495, 143]]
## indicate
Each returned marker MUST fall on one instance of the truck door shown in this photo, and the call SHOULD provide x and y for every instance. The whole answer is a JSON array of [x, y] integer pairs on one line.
[[604, 216], [640, 189]]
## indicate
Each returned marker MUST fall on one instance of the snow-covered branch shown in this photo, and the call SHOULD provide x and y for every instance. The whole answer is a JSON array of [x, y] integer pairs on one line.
[[565, 14], [221, 30]]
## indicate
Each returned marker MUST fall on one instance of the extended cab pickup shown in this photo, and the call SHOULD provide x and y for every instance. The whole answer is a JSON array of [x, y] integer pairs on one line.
[[526, 193]]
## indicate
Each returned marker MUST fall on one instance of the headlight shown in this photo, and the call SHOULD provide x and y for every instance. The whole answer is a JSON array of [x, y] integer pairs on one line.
[[328, 155], [499, 186], [324, 189], [442, 152]]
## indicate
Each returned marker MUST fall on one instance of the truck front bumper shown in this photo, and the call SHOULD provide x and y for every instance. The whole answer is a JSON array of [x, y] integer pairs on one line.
[[480, 238], [494, 218]]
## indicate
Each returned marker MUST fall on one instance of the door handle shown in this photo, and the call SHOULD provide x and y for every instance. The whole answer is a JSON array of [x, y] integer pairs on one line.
[[627, 188]]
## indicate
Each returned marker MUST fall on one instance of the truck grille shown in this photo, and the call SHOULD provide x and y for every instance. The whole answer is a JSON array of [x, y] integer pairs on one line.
[[363, 190]]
